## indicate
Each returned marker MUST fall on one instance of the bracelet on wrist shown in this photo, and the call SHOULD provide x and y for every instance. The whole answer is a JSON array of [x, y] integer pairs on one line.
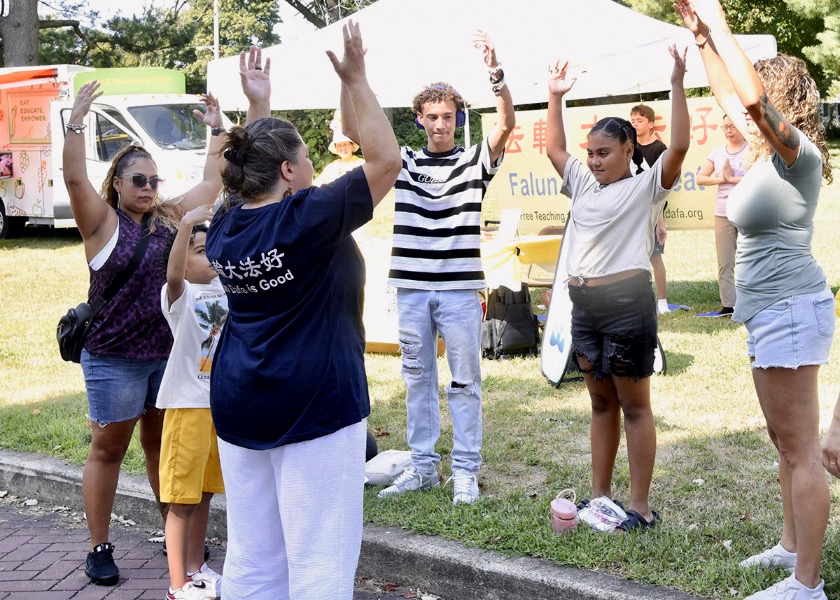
[[497, 87], [78, 128], [216, 131], [705, 41], [498, 67], [497, 76]]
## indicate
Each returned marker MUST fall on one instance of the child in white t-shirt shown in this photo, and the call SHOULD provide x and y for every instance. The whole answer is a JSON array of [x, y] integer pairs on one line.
[[195, 306], [610, 240]]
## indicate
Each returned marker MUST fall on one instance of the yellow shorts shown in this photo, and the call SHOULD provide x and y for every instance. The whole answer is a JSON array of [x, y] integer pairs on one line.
[[189, 456]]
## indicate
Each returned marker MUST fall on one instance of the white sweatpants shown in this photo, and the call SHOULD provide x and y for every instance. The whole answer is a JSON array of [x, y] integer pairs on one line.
[[294, 518]]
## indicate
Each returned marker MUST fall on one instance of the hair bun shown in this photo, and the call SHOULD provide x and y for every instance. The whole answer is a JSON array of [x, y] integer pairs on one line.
[[235, 155]]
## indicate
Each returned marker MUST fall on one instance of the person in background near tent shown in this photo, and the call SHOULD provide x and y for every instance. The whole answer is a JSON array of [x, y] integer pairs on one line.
[[783, 298], [610, 237], [125, 352], [346, 150], [436, 268], [289, 391], [643, 119], [724, 168]]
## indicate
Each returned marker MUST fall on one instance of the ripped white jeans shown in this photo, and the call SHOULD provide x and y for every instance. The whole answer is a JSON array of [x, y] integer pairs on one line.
[[457, 315]]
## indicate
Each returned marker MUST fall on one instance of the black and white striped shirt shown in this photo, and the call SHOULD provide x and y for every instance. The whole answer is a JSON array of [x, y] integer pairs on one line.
[[437, 218]]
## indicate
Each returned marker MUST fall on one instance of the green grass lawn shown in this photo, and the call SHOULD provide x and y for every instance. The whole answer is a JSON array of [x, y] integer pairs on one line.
[[715, 479]]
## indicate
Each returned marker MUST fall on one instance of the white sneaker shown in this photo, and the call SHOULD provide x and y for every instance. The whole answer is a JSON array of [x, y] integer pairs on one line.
[[207, 580], [466, 487], [411, 480], [188, 592], [790, 589], [774, 558]]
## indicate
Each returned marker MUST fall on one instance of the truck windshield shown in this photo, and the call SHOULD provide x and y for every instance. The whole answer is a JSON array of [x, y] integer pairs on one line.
[[172, 125]]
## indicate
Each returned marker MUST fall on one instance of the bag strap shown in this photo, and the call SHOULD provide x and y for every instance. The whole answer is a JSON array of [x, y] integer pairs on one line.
[[124, 275]]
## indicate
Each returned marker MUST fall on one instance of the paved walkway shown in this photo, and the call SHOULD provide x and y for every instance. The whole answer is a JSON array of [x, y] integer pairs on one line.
[[42, 550]]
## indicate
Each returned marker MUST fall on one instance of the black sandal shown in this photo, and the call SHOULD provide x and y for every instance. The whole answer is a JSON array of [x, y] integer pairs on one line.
[[635, 521]]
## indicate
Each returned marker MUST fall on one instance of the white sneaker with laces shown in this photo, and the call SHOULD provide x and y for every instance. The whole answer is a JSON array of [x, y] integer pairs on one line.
[[207, 580], [466, 487], [790, 589], [774, 558], [411, 480], [188, 592]]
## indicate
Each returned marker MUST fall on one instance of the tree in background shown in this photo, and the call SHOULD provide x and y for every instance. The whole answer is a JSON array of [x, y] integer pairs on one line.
[[176, 36], [826, 52], [809, 29], [19, 27]]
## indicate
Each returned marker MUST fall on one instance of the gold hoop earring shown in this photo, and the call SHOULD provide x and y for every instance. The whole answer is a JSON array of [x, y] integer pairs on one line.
[[288, 192]]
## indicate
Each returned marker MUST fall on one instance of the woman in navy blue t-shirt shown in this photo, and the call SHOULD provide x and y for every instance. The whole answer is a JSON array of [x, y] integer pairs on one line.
[[289, 391]]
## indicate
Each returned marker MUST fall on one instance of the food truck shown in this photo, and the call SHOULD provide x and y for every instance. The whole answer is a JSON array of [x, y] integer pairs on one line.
[[143, 106]]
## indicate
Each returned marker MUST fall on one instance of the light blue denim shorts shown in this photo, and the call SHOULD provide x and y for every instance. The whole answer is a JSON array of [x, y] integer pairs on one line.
[[794, 332], [120, 389]]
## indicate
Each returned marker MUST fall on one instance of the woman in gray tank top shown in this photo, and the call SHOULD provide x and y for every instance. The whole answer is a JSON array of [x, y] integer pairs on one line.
[[782, 295]]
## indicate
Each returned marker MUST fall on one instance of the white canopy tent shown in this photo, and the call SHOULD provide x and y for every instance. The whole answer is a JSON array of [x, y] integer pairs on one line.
[[612, 50]]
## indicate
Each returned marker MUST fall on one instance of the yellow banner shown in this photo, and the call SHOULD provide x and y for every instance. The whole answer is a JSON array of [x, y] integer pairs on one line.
[[527, 180]]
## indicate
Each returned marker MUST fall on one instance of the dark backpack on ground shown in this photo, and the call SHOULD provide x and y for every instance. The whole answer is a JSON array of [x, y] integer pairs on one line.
[[510, 327]]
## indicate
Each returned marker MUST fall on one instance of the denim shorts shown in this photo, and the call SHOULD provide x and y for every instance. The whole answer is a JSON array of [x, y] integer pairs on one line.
[[794, 332], [120, 389], [614, 326]]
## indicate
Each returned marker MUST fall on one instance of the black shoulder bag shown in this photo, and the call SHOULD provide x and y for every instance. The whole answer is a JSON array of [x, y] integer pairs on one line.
[[74, 326]]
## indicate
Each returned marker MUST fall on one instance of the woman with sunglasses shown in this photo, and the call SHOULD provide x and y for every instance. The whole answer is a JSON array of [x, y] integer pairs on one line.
[[129, 342]]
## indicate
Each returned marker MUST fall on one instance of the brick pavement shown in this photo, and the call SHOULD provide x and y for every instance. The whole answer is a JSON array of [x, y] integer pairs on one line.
[[43, 549]]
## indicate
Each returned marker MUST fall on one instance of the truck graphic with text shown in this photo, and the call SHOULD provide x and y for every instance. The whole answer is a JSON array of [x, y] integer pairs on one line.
[[143, 106]]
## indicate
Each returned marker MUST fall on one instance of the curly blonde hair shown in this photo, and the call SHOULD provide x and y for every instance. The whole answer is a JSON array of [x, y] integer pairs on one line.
[[794, 93], [165, 214], [437, 93]]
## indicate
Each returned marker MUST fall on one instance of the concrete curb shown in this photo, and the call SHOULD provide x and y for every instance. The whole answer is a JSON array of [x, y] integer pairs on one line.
[[444, 567]]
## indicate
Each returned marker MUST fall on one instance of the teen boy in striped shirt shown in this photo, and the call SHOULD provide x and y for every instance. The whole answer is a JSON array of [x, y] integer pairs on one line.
[[436, 268]]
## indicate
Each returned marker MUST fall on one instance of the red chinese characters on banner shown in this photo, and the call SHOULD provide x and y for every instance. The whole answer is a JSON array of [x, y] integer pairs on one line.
[[585, 128], [701, 112], [516, 136], [540, 140]]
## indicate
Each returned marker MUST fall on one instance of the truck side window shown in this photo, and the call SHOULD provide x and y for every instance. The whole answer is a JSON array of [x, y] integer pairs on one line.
[[110, 139]]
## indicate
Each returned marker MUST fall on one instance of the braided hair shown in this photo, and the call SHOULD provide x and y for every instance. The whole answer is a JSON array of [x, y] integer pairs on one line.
[[623, 131]]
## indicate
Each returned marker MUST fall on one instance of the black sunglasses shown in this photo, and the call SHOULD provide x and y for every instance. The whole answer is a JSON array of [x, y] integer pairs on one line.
[[140, 181]]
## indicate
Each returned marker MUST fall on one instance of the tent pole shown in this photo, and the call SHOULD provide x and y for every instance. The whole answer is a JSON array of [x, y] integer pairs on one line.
[[467, 143]]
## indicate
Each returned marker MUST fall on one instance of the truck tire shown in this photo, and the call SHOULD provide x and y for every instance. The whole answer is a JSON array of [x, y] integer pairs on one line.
[[10, 227]]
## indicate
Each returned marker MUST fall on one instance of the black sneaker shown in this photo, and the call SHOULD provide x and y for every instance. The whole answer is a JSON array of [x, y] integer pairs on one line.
[[100, 566]]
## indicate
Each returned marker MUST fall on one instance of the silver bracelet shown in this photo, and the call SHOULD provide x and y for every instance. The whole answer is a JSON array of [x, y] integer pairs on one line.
[[76, 127], [702, 44], [497, 87]]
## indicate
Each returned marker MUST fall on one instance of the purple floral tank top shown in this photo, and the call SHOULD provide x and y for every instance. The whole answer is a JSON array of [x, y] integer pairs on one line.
[[132, 324]]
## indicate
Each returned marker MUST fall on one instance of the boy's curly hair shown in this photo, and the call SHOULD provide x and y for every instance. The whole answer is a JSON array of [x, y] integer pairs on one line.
[[437, 93]]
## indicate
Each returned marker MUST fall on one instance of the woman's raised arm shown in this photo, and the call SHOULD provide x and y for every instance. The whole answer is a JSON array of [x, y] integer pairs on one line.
[[382, 154]]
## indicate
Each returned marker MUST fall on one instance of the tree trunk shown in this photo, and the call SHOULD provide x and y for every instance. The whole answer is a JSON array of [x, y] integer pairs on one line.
[[19, 31]]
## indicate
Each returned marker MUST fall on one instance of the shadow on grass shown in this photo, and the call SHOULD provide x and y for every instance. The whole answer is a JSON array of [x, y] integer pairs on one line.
[[677, 362], [717, 493], [35, 238]]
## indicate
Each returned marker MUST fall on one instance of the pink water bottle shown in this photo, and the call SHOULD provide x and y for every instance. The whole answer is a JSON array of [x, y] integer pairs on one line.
[[564, 515]]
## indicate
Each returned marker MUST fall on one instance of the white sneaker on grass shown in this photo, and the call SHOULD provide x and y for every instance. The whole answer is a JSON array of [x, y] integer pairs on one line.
[[774, 558], [411, 480], [790, 589], [466, 487], [208, 580]]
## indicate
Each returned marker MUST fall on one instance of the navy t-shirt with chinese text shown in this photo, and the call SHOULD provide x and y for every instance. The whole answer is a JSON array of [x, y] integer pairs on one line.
[[290, 362]]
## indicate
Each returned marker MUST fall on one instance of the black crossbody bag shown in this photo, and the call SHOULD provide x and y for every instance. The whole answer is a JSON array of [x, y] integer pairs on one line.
[[74, 326]]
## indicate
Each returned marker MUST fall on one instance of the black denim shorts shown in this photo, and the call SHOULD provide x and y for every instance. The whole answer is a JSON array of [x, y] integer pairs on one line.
[[614, 327]]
